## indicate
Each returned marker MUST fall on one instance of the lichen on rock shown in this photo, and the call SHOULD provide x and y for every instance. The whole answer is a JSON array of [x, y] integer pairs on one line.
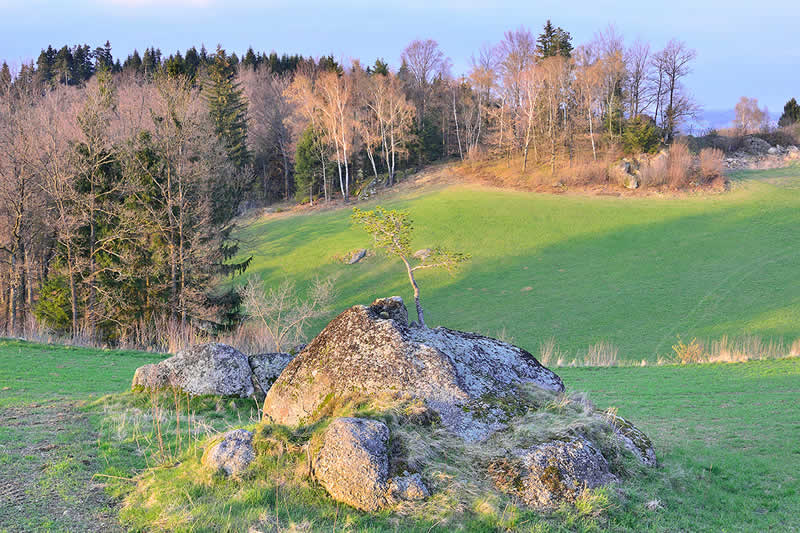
[[372, 349]]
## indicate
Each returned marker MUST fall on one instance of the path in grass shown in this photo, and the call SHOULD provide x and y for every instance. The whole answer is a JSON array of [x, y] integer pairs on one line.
[[636, 272], [48, 439]]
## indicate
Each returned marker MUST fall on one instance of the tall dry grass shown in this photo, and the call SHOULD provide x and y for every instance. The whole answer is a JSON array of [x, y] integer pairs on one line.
[[723, 350], [679, 165], [711, 163]]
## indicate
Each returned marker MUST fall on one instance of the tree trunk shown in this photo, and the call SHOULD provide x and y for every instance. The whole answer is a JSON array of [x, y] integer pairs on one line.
[[413, 281]]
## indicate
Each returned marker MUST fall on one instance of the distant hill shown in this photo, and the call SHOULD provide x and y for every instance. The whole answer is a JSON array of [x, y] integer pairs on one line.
[[717, 119]]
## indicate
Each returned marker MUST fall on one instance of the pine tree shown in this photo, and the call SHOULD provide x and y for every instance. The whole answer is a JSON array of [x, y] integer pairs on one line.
[[5, 77], [45, 66], [228, 108], [380, 67], [553, 41], [791, 114], [103, 59], [250, 59], [134, 63], [307, 166], [63, 66], [191, 62]]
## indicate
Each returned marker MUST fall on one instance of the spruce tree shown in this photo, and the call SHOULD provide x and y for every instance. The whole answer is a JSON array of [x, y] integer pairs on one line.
[[228, 108], [5, 77], [553, 41], [791, 114]]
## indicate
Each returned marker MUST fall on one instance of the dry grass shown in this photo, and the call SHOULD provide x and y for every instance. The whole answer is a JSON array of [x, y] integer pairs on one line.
[[679, 165], [722, 350], [711, 163]]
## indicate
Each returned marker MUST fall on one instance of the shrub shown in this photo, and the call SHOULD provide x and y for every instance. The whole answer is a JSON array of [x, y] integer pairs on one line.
[[689, 353], [711, 163], [641, 135], [653, 172], [679, 165]]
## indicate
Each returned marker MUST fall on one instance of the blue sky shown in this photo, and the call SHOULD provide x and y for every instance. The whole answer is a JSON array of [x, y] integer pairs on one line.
[[751, 50]]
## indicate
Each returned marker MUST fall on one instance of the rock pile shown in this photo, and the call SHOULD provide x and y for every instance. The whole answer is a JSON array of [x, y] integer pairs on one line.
[[372, 349], [486, 401], [213, 368]]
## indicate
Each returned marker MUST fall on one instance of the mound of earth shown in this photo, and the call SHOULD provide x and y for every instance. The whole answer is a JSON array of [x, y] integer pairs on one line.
[[213, 368], [464, 377]]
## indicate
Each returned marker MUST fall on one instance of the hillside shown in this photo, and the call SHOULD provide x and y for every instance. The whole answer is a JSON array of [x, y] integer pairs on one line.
[[635, 272]]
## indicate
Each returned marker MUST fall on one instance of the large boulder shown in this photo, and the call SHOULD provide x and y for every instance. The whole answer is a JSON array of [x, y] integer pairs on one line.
[[546, 475], [353, 466], [231, 454], [373, 350], [755, 145], [353, 462], [266, 368], [632, 438], [211, 368]]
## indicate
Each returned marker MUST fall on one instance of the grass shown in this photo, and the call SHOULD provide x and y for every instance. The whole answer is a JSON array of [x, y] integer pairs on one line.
[[726, 436], [633, 272]]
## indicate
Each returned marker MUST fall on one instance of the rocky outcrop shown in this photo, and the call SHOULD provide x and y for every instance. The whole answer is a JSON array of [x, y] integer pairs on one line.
[[353, 462], [357, 256], [211, 368], [633, 439], [231, 454], [372, 350], [551, 473], [625, 172], [353, 466], [755, 145], [423, 254], [266, 368], [407, 487]]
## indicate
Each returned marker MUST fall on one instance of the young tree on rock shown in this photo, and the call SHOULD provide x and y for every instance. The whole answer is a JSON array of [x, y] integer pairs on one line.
[[391, 230]]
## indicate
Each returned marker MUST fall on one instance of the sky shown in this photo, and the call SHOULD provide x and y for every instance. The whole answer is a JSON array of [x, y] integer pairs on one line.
[[743, 49]]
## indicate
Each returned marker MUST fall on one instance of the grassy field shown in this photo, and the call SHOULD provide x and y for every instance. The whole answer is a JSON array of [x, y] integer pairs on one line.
[[726, 436], [635, 272]]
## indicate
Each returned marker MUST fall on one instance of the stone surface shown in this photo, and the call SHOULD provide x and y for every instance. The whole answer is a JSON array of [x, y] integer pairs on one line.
[[755, 145], [266, 368], [408, 487], [357, 256], [372, 350], [232, 454], [211, 368], [154, 376], [633, 439], [353, 462], [551, 473]]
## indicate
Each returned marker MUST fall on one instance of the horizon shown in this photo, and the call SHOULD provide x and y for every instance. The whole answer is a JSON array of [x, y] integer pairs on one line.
[[360, 31]]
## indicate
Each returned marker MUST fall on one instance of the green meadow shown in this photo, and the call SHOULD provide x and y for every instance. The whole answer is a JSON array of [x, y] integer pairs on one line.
[[80, 452], [635, 272], [725, 435]]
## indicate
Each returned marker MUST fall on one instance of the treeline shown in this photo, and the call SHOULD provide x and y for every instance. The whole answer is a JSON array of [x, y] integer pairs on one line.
[[119, 178], [115, 204]]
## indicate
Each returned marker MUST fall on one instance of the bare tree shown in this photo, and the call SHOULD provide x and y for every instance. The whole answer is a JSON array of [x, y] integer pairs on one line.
[[425, 61], [336, 111], [749, 117], [282, 311], [637, 60], [672, 65], [270, 111]]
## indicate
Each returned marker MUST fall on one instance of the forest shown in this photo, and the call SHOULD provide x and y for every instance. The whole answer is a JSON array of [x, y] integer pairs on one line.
[[120, 181]]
